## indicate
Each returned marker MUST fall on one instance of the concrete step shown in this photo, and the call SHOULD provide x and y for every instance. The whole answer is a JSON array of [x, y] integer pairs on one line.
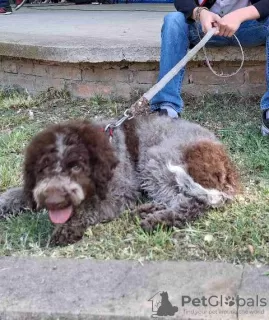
[[42, 288]]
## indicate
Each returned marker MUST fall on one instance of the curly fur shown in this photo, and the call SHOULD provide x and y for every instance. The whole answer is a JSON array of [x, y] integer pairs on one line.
[[181, 167]]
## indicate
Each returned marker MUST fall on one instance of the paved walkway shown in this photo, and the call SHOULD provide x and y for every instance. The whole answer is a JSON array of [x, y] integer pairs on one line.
[[87, 289], [84, 33]]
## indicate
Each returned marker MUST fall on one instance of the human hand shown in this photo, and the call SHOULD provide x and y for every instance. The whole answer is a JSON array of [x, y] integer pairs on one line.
[[229, 24], [209, 20]]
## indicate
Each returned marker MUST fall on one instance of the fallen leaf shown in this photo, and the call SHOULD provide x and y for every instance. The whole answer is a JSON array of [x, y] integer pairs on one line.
[[251, 249], [208, 238], [31, 115]]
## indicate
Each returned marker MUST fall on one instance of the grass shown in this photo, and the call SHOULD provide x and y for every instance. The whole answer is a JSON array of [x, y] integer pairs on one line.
[[239, 233]]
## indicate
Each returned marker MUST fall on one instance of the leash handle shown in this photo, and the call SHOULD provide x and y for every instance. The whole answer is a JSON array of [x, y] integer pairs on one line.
[[228, 75], [174, 71]]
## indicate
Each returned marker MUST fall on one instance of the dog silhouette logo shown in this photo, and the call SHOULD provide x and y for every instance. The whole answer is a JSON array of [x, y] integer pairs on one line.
[[161, 305]]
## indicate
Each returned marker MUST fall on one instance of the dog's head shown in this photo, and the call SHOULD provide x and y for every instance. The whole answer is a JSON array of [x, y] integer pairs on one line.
[[65, 165], [164, 295]]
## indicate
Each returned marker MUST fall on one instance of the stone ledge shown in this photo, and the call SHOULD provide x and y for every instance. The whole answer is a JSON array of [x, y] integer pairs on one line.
[[104, 52], [87, 289]]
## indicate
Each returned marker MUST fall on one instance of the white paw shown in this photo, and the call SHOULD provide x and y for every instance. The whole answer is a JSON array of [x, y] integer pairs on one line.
[[217, 198]]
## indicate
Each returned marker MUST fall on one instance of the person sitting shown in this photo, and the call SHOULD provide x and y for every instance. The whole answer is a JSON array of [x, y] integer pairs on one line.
[[248, 20]]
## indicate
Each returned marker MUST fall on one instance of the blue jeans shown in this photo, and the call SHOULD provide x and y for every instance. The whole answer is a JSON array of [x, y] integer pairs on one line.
[[178, 35], [4, 4]]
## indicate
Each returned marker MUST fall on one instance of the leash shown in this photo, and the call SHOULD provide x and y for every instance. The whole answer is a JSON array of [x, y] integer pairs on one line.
[[222, 75], [111, 126], [140, 106]]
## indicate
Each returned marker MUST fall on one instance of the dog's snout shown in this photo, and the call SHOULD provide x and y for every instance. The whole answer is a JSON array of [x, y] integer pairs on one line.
[[57, 193], [54, 197]]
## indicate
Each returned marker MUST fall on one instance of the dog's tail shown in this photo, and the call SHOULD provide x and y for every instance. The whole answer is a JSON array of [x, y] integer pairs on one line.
[[193, 199], [210, 197], [186, 204], [189, 202], [175, 309]]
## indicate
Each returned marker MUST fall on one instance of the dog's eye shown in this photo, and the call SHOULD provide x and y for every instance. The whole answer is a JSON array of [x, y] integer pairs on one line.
[[43, 165], [76, 168]]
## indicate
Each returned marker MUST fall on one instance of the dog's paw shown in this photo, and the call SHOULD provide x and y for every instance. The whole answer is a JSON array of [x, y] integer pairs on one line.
[[164, 217], [64, 235], [12, 202], [146, 225], [148, 208], [217, 198]]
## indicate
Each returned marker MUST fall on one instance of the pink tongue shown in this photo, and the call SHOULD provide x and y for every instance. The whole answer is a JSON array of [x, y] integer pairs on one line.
[[60, 216]]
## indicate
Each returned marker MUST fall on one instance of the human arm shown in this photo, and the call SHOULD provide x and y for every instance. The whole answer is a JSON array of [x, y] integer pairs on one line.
[[230, 23], [186, 7], [263, 8], [207, 19]]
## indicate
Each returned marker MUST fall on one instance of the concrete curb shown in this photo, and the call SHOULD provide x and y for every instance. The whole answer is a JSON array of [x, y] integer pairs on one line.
[[101, 53], [78, 54], [88, 289]]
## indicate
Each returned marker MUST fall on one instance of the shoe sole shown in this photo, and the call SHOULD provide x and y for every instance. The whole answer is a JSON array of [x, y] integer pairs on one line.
[[264, 131]]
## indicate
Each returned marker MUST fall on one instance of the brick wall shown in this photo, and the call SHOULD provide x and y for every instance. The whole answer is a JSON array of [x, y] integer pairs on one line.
[[122, 79]]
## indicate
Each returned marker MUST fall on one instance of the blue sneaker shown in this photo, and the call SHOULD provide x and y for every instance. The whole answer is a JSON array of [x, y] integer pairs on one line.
[[167, 110], [265, 123]]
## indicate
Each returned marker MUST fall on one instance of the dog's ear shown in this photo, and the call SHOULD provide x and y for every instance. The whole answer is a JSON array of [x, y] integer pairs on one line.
[[102, 158], [102, 166], [33, 153], [29, 177]]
